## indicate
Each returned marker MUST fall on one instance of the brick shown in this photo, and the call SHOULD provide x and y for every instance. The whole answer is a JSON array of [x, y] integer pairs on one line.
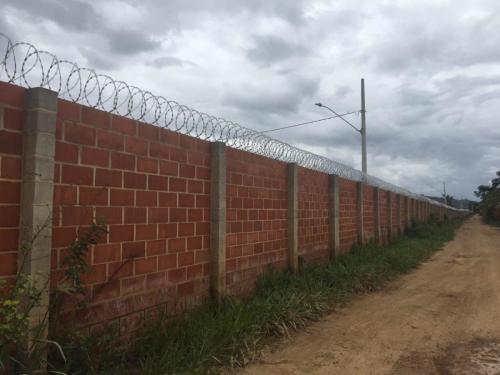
[[107, 177], [149, 132], [79, 134], [195, 214], [176, 245], [96, 117], [134, 215], [186, 200], [106, 291], [178, 155], [95, 156], [65, 195], [156, 247], [176, 275], [73, 174], [177, 184], [76, 215], [169, 136], [8, 264], [134, 180], [185, 289], [120, 197], [155, 280], [167, 261], [13, 119], [186, 229], [146, 198], [147, 165], [167, 230], [185, 259], [63, 236], [158, 215], [66, 152], [118, 270], [11, 142], [68, 111], [187, 171], [118, 233], [136, 146], [93, 196], [105, 253], [194, 271], [134, 250], [123, 125], [167, 199], [10, 192], [9, 240], [110, 141], [145, 265], [195, 186], [96, 275], [169, 168], [159, 150], [12, 94], [122, 161], [202, 201], [195, 243], [110, 215], [10, 167], [178, 215], [133, 285], [157, 182], [145, 232]]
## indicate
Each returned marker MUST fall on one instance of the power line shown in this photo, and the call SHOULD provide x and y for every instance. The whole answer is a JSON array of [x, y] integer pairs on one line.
[[309, 122]]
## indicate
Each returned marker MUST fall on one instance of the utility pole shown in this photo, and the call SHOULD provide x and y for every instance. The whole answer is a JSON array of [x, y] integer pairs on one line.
[[444, 192], [363, 128]]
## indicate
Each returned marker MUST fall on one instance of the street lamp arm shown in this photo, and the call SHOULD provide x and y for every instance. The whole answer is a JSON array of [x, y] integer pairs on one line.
[[340, 116]]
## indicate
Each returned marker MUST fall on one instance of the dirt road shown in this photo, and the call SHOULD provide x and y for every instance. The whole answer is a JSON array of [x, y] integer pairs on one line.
[[443, 318]]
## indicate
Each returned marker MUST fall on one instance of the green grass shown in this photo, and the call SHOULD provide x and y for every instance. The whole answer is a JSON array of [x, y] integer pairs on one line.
[[210, 337]]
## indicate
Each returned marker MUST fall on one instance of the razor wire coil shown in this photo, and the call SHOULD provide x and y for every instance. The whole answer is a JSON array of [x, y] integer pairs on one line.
[[23, 64]]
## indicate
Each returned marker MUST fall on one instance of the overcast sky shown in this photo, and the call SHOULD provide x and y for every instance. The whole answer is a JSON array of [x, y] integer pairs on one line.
[[432, 71]]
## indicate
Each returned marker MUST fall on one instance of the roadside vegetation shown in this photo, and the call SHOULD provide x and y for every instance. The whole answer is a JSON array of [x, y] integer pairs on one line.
[[489, 207], [211, 337]]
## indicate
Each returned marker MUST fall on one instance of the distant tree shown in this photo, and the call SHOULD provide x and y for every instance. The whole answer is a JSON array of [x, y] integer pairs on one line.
[[448, 199], [490, 199]]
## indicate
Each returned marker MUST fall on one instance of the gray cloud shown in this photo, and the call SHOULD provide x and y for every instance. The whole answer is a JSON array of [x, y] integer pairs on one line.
[[432, 71], [270, 49]]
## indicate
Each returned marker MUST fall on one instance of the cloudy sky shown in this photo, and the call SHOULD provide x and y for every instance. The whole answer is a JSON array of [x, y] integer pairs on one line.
[[432, 71]]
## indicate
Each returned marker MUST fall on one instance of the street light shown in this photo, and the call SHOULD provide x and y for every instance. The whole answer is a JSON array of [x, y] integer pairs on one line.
[[362, 131]]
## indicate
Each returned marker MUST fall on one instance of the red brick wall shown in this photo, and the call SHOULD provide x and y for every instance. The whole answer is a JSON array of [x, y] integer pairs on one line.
[[384, 229], [11, 146], [348, 214], [313, 215], [395, 224], [151, 186], [256, 218], [368, 213]]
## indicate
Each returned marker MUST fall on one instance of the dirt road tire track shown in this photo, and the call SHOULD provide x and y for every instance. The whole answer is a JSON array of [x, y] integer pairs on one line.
[[416, 325]]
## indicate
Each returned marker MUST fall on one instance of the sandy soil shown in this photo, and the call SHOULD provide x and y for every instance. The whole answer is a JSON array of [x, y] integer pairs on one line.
[[443, 318]]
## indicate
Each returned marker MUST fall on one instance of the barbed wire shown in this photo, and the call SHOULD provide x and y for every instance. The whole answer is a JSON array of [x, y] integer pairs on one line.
[[23, 64]]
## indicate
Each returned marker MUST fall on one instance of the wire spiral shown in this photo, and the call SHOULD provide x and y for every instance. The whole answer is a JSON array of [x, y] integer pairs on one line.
[[23, 64]]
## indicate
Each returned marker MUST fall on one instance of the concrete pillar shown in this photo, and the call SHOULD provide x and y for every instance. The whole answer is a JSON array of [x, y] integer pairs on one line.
[[360, 213], [334, 217], [390, 230], [293, 217], [376, 204], [218, 166], [39, 139]]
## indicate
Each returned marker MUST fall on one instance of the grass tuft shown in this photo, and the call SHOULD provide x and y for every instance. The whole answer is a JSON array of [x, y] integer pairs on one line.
[[211, 337]]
